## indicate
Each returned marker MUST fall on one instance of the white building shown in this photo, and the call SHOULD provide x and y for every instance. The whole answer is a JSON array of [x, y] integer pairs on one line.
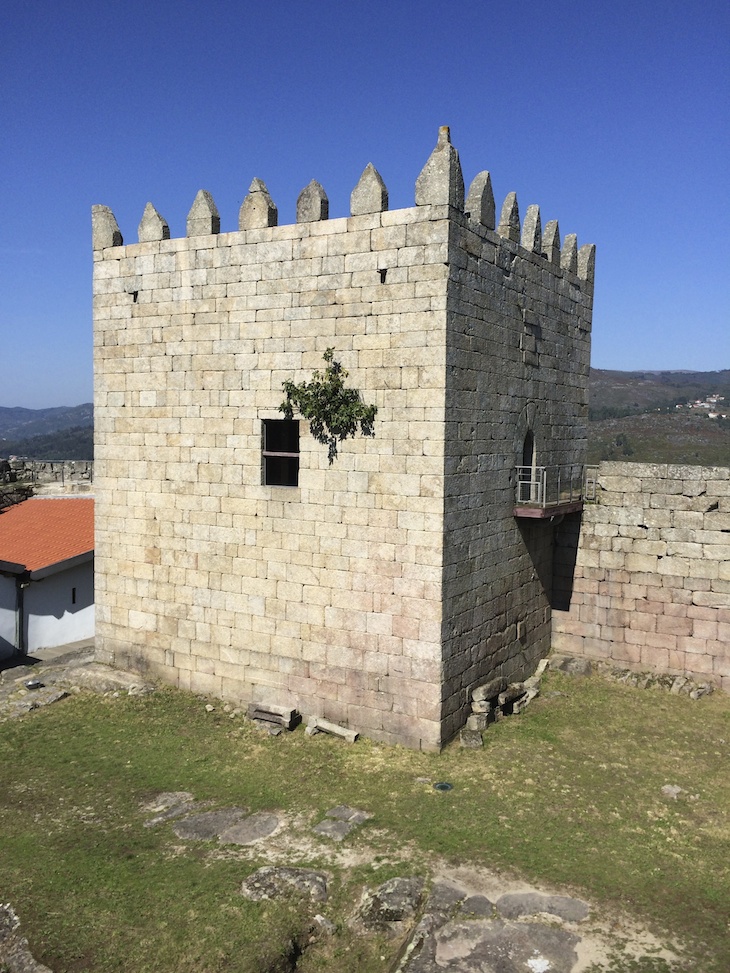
[[46, 574]]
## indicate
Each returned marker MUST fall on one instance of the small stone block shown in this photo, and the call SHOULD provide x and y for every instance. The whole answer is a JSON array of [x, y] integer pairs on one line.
[[280, 715], [471, 739], [477, 721], [490, 690], [317, 724], [521, 704], [512, 692]]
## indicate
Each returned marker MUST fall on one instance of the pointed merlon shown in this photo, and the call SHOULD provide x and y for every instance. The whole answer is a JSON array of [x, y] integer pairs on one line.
[[587, 262], [203, 218], [441, 180], [370, 195], [532, 230], [258, 208], [312, 204], [569, 254], [509, 219], [152, 226], [551, 242], [479, 205], [104, 228]]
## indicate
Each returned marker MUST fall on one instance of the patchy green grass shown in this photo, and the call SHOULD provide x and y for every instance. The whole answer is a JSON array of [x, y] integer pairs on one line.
[[568, 794]]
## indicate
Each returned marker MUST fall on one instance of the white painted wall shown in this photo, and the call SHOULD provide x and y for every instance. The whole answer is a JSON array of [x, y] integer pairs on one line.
[[52, 618], [7, 617]]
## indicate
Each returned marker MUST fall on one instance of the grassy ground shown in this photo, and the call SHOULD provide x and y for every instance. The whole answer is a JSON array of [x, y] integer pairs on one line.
[[567, 794]]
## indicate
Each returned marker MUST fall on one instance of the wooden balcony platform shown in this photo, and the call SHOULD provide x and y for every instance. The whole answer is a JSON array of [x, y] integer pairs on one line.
[[536, 511]]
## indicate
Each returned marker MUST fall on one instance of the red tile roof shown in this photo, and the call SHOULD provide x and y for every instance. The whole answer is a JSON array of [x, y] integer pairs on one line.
[[43, 531]]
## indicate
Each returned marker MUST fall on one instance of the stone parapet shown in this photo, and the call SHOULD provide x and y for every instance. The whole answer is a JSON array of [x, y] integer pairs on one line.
[[652, 578]]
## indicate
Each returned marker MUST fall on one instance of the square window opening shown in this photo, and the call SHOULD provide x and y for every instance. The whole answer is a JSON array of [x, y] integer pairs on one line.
[[281, 452]]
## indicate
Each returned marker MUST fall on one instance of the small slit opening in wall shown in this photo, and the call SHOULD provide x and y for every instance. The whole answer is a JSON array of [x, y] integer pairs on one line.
[[135, 295], [73, 596], [383, 271]]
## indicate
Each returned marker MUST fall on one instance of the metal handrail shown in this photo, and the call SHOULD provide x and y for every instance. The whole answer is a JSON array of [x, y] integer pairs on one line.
[[550, 486]]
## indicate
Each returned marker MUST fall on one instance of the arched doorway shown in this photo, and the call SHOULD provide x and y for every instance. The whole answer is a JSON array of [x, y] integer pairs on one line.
[[529, 487]]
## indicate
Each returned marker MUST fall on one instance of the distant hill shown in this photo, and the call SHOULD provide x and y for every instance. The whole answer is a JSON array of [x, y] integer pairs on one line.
[[616, 394], [660, 438], [72, 444], [66, 432], [19, 424], [634, 418]]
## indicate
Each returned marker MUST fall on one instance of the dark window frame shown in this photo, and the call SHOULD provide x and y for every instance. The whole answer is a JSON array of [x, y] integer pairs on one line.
[[280, 466]]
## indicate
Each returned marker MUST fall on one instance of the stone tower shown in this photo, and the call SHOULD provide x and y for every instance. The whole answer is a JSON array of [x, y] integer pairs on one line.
[[231, 557]]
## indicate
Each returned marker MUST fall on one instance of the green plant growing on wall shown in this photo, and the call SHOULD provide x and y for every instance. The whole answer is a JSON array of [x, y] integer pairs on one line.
[[334, 412]]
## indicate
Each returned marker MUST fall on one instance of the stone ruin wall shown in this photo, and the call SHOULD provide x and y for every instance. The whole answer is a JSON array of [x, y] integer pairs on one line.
[[382, 588], [651, 586]]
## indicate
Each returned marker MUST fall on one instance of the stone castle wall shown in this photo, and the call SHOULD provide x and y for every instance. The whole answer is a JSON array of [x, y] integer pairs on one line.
[[518, 355], [651, 586], [377, 591], [241, 589]]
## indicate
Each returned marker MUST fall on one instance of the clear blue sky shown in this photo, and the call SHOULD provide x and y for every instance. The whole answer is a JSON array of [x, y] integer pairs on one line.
[[612, 116]]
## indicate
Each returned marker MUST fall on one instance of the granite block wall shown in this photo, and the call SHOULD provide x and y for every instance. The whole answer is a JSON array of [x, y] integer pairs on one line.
[[378, 590], [327, 593], [517, 360], [651, 587]]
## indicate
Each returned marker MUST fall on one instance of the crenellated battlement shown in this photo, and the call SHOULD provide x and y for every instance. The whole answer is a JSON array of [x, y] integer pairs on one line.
[[439, 183]]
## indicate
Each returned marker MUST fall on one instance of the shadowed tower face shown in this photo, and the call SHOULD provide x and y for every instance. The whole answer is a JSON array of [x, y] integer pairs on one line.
[[376, 592]]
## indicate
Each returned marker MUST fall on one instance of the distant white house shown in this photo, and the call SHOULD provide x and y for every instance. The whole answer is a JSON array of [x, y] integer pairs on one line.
[[46, 573]]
